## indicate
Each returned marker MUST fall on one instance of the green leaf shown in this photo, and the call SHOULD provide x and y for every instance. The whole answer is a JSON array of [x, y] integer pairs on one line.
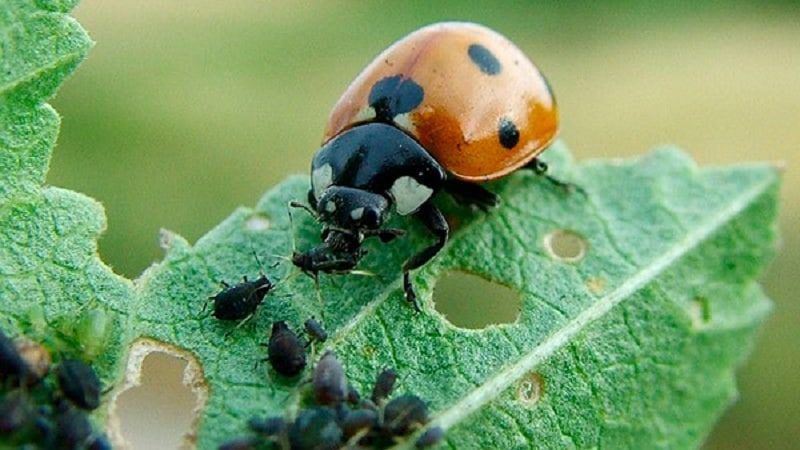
[[53, 286], [632, 344]]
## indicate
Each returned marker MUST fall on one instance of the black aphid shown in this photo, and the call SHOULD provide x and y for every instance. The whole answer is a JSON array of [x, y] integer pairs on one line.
[[430, 437], [359, 421], [72, 430], [315, 330], [329, 382], [286, 352], [384, 385], [241, 443], [240, 301], [17, 413], [13, 367], [315, 429], [79, 383], [403, 414], [271, 426]]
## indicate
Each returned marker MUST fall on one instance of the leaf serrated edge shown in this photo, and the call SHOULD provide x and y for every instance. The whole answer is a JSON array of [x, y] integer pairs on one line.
[[63, 60]]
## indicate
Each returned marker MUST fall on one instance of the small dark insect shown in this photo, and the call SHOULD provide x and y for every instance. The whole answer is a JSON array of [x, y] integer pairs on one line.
[[329, 382], [338, 253], [240, 301], [100, 442], [13, 367], [79, 383], [384, 386], [353, 397], [315, 429], [402, 414], [286, 353], [72, 430], [430, 437], [241, 443], [315, 330], [357, 421], [271, 426], [17, 413]]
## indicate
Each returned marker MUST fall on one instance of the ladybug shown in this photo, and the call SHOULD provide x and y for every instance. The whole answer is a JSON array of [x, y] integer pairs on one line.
[[448, 107]]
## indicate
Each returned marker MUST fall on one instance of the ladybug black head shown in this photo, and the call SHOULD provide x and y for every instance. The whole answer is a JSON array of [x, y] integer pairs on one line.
[[352, 209]]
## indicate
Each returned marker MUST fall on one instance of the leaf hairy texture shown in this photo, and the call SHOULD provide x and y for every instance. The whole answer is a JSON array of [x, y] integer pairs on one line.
[[635, 344], [54, 287]]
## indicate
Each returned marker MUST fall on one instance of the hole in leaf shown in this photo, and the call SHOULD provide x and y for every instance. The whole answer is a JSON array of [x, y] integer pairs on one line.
[[566, 246], [700, 312], [470, 301], [163, 390], [257, 223], [596, 284], [530, 389]]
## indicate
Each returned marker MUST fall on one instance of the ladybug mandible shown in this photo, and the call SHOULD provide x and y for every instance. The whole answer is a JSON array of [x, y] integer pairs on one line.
[[447, 107]]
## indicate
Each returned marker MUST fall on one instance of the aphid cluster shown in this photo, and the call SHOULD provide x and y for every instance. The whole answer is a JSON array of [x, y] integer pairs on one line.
[[45, 406], [339, 417]]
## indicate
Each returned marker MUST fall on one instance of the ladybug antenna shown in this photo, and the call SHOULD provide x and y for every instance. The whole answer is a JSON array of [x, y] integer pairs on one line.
[[289, 206]]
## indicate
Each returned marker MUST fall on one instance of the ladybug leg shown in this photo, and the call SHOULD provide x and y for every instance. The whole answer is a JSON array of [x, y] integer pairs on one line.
[[471, 194], [540, 168], [432, 218]]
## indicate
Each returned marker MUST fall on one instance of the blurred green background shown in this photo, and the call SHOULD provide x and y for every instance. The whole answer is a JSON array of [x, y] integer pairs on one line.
[[185, 110]]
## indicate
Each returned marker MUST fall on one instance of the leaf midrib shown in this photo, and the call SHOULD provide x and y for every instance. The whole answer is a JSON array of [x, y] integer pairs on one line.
[[497, 384]]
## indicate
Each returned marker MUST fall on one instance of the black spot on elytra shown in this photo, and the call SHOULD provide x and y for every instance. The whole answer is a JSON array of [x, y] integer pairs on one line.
[[484, 59], [508, 133], [393, 96]]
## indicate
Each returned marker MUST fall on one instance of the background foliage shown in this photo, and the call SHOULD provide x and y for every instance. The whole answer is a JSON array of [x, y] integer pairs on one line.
[[181, 113]]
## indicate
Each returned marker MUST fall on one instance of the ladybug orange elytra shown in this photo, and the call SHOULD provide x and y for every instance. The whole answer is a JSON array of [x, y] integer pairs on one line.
[[447, 107]]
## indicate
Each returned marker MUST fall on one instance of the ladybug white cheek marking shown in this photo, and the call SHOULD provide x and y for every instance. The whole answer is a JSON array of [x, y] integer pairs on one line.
[[321, 178], [357, 213], [409, 194], [404, 121], [366, 114], [330, 206]]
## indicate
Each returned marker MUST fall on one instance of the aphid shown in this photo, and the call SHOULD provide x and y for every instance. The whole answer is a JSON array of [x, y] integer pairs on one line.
[[384, 386], [448, 107], [79, 383], [403, 414], [72, 430], [240, 301], [286, 353], [13, 367], [241, 443], [17, 413], [329, 382], [315, 429], [430, 437], [100, 442], [271, 426], [315, 330], [357, 421], [353, 397], [338, 253]]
